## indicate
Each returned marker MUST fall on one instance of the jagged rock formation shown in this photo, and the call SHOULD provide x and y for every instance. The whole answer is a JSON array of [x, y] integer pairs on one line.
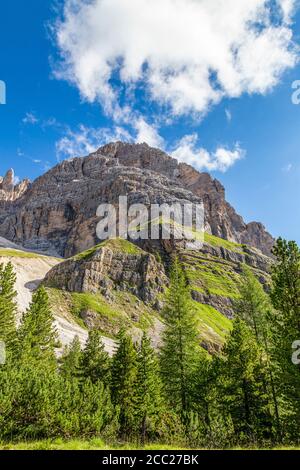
[[113, 265], [57, 213], [9, 191]]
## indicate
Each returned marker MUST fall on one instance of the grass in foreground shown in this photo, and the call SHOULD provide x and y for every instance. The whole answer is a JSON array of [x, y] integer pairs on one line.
[[93, 444], [98, 444]]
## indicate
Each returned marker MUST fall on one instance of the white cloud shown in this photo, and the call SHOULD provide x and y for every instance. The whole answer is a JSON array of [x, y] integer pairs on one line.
[[288, 8], [30, 118], [186, 54], [222, 159], [147, 133], [86, 140]]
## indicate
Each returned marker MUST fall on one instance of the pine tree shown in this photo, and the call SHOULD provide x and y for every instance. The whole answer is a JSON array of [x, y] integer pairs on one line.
[[254, 307], [180, 342], [241, 384], [204, 395], [123, 383], [70, 362], [37, 334], [8, 307], [285, 322], [95, 360], [96, 412], [148, 389]]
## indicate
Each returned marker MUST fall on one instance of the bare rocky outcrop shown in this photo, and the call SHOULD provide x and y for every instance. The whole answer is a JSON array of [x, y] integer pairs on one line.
[[108, 269], [9, 191], [57, 212]]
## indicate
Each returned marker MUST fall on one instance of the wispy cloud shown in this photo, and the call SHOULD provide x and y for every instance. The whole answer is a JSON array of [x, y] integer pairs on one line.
[[288, 168], [30, 118], [85, 140], [188, 151], [228, 115]]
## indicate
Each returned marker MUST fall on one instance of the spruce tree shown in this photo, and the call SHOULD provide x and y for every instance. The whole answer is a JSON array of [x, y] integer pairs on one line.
[[148, 389], [95, 360], [180, 342], [70, 362], [253, 305], [123, 383], [8, 307], [204, 393], [37, 334], [285, 322], [241, 385], [255, 308]]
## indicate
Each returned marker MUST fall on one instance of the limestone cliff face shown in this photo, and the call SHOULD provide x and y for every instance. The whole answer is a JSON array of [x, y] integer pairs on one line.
[[9, 191], [57, 213], [108, 268], [221, 217]]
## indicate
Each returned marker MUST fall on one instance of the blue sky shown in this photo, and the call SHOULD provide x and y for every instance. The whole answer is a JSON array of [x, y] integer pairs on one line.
[[50, 104]]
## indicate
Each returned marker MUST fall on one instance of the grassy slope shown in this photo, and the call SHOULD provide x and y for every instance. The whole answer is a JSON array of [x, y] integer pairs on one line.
[[213, 325], [220, 242], [11, 253], [116, 244], [125, 310], [207, 275]]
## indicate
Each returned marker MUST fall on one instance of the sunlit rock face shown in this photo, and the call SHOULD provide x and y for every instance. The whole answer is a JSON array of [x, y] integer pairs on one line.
[[9, 189], [57, 212]]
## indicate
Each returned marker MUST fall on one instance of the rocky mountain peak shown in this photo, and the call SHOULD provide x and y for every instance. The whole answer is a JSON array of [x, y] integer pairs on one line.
[[57, 212], [149, 158], [9, 191]]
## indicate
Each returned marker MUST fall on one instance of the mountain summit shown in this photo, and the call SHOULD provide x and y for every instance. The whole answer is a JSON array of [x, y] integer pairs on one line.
[[57, 212]]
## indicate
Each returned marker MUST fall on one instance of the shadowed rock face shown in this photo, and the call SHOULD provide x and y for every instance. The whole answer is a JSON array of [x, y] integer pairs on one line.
[[57, 213]]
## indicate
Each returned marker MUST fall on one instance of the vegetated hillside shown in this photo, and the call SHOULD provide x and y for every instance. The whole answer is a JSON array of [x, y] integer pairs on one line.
[[31, 269], [118, 284]]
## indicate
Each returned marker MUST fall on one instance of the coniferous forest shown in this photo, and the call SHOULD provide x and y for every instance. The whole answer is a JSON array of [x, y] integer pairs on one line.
[[247, 394]]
